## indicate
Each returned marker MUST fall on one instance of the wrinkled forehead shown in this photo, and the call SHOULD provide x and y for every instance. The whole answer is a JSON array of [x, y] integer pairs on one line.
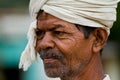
[[48, 21]]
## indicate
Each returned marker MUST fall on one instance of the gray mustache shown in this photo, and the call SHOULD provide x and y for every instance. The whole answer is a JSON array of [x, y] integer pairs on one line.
[[50, 54]]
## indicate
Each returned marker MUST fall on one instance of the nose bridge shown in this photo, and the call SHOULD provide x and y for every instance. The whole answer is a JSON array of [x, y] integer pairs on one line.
[[47, 41]]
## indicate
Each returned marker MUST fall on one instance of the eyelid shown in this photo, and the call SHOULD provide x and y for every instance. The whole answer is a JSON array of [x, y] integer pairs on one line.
[[60, 32]]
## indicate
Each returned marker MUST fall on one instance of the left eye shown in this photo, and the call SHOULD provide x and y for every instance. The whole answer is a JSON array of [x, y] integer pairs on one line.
[[59, 32]]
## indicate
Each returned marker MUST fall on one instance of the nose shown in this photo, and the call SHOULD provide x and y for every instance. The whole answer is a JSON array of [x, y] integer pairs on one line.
[[47, 42]]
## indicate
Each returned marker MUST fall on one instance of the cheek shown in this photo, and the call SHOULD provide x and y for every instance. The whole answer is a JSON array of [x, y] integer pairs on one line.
[[65, 46], [69, 49], [84, 49], [75, 50]]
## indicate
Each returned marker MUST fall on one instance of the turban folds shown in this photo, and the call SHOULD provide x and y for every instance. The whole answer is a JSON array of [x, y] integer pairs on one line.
[[93, 13]]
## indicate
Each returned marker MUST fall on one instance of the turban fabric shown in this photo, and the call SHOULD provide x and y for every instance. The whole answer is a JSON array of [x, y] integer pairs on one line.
[[29, 54], [93, 13]]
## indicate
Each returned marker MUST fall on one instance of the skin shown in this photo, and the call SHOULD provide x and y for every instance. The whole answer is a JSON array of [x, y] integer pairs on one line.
[[65, 51]]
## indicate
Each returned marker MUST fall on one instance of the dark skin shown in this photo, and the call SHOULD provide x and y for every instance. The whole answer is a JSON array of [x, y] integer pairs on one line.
[[65, 51]]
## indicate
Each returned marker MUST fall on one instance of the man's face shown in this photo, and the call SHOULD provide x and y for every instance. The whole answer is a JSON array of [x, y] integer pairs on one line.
[[62, 47]]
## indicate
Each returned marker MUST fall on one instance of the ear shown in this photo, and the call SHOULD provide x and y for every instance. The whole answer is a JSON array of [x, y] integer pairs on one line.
[[100, 39]]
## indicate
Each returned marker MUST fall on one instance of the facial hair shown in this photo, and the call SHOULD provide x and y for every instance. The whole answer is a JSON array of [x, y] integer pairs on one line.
[[56, 69], [60, 67]]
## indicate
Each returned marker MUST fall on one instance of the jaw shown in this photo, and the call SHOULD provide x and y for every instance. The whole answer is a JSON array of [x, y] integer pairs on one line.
[[91, 70], [65, 72]]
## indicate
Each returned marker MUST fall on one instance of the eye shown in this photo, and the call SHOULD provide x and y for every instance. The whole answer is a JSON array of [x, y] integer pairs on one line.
[[61, 34], [39, 33], [58, 33]]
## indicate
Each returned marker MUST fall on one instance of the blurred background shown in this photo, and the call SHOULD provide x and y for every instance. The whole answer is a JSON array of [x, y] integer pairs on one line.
[[14, 23]]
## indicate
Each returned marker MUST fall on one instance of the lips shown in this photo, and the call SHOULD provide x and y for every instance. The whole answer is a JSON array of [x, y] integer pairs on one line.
[[49, 60]]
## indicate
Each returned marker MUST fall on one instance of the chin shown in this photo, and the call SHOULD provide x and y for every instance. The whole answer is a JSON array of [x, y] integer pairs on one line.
[[55, 69], [53, 73]]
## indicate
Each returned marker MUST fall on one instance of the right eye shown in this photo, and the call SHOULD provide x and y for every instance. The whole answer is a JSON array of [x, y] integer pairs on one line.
[[39, 34]]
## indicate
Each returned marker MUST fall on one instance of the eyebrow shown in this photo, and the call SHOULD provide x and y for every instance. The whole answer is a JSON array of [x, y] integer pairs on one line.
[[56, 26]]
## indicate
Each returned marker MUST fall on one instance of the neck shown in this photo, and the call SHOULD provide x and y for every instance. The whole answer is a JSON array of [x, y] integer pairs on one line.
[[93, 71]]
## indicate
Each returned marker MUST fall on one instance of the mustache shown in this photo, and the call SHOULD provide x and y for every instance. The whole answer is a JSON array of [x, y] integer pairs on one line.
[[51, 54]]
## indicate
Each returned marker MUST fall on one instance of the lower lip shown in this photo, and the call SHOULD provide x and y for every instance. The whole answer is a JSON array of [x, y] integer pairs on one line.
[[51, 60]]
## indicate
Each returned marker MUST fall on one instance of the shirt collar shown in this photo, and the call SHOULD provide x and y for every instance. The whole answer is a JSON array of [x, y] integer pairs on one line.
[[106, 77]]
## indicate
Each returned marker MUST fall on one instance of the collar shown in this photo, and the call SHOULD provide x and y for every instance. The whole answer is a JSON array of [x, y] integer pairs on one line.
[[106, 77]]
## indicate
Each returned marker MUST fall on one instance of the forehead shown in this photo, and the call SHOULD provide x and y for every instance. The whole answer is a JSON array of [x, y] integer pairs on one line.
[[45, 20], [42, 15]]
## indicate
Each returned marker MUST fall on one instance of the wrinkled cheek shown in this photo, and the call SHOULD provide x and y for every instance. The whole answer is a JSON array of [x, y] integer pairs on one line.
[[74, 61], [76, 65]]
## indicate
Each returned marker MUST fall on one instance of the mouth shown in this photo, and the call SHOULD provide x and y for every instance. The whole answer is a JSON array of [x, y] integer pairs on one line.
[[49, 60]]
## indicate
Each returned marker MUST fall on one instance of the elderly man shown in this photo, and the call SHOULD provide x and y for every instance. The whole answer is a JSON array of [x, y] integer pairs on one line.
[[69, 36]]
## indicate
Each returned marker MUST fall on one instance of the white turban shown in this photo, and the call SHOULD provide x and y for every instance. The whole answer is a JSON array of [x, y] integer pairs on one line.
[[29, 54], [94, 13]]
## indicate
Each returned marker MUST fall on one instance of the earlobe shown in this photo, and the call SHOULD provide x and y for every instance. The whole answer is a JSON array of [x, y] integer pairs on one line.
[[100, 39]]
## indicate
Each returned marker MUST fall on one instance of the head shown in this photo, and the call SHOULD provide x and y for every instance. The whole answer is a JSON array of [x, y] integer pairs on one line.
[[64, 44], [64, 47]]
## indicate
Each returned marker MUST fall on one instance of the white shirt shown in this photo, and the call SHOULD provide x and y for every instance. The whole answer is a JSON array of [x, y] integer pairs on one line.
[[107, 77]]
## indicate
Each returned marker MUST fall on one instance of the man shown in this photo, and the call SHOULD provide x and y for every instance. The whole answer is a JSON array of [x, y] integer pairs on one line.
[[69, 36]]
